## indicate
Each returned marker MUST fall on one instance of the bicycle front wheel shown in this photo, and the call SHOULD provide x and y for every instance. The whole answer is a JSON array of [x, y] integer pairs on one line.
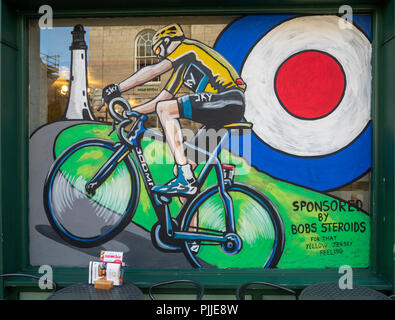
[[257, 222], [82, 219]]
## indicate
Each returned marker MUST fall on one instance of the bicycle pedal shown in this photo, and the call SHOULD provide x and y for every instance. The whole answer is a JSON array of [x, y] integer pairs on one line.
[[164, 199], [160, 199], [194, 247]]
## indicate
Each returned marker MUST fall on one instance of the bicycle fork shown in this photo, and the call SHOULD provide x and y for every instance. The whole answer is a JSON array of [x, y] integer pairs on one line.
[[106, 170], [126, 145]]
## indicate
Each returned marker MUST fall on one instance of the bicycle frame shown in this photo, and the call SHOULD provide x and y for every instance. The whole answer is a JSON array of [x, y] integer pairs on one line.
[[131, 144]]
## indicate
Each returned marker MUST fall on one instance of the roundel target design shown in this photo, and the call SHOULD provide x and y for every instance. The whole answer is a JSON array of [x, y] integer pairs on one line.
[[308, 95], [308, 86]]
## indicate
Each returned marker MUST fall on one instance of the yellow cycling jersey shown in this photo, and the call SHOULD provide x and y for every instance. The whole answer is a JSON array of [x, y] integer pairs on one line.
[[201, 69]]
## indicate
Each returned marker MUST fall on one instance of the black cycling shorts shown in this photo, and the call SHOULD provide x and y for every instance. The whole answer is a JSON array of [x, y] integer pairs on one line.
[[213, 109]]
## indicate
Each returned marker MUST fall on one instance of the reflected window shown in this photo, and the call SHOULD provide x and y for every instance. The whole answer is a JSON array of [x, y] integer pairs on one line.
[[144, 54]]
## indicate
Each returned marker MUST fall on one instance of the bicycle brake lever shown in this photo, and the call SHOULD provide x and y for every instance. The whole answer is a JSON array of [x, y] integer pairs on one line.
[[131, 113], [113, 128], [102, 105]]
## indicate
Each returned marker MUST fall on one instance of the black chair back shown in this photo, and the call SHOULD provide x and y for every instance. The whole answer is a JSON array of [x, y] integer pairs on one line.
[[199, 287], [332, 291], [240, 293]]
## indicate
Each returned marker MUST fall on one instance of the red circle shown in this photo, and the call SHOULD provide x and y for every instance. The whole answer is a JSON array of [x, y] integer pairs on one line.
[[310, 84]]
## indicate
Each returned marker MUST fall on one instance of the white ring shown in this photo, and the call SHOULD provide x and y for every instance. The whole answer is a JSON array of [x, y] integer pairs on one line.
[[293, 135]]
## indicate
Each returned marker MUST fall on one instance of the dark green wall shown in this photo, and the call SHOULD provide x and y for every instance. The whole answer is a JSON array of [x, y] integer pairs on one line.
[[386, 127], [152, 4]]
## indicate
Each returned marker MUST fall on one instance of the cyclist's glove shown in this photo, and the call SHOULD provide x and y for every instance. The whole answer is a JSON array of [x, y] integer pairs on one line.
[[110, 92]]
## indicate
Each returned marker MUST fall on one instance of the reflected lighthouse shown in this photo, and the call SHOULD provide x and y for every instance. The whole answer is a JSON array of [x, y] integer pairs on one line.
[[78, 107]]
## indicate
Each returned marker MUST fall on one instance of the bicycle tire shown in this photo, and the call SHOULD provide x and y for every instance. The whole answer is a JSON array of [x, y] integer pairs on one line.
[[84, 220], [259, 226]]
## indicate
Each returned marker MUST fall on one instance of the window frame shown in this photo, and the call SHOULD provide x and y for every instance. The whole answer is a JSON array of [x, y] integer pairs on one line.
[[16, 221]]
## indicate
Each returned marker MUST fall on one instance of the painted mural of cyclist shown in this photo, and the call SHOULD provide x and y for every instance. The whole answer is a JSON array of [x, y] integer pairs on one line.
[[218, 97]]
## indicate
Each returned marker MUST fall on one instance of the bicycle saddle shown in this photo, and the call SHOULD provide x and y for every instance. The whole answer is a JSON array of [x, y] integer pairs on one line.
[[238, 125]]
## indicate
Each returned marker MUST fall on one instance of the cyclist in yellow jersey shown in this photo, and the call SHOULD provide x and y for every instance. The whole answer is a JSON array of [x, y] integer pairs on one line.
[[218, 97]]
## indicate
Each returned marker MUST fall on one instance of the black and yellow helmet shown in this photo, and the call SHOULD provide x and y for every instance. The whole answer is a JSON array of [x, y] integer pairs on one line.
[[171, 32]]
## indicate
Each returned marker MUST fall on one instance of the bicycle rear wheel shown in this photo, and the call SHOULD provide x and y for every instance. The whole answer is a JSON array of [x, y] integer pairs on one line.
[[82, 219], [257, 222]]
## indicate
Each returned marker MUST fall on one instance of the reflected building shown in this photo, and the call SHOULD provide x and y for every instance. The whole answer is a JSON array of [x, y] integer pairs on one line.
[[117, 48]]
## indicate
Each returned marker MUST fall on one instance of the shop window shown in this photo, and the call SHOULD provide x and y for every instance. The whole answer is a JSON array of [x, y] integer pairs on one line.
[[301, 192]]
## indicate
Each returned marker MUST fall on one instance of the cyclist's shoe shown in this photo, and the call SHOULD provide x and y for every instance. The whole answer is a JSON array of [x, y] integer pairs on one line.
[[184, 185]]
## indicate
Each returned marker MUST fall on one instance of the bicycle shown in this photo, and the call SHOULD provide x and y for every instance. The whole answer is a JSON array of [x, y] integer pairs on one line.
[[210, 228]]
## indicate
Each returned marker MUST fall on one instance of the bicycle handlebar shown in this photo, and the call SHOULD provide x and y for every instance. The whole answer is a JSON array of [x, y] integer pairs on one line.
[[123, 119], [126, 106]]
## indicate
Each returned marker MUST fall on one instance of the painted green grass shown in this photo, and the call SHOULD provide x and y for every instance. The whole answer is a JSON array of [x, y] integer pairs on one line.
[[302, 250]]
